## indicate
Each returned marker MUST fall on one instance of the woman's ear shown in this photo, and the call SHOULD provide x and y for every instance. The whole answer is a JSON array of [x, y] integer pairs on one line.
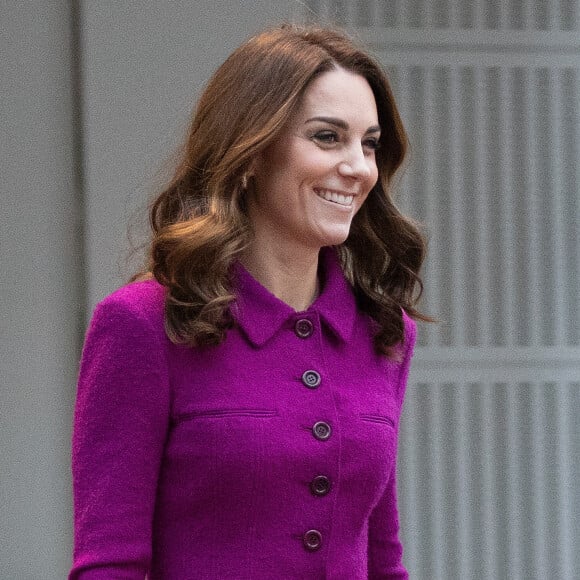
[[246, 182], [248, 178]]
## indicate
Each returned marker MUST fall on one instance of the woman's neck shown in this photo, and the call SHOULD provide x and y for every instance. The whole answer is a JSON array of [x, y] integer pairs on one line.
[[290, 275]]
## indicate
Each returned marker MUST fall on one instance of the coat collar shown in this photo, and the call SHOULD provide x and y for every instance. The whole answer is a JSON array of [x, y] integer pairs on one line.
[[260, 314]]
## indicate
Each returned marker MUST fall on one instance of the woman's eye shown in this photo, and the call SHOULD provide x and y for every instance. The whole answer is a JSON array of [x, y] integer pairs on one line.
[[326, 137], [373, 144]]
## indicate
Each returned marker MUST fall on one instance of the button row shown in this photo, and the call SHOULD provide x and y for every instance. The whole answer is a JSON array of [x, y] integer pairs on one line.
[[320, 485]]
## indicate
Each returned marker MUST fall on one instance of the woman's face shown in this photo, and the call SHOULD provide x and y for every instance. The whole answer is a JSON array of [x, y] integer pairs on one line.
[[313, 179]]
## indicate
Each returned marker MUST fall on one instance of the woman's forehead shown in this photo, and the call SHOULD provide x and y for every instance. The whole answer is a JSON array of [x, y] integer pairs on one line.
[[342, 94]]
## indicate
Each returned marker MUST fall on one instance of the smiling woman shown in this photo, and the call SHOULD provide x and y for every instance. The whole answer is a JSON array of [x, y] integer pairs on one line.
[[311, 181], [238, 403]]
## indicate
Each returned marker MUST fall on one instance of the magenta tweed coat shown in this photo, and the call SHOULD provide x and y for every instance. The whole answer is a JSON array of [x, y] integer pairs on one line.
[[270, 456]]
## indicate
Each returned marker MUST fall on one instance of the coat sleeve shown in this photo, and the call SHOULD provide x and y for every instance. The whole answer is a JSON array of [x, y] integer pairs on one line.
[[385, 548], [120, 425]]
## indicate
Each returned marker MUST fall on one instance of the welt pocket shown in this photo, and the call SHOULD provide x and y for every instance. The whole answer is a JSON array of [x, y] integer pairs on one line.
[[382, 419], [224, 413]]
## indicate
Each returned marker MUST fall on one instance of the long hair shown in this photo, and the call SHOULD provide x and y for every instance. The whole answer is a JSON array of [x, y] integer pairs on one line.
[[199, 221]]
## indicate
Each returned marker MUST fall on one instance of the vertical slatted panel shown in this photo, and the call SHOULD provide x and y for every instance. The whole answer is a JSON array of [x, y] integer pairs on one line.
[[496, 168], [482, 227], [557, 173], [534, 212], [409, 475], [455, 8], [514, 510], [400, 12], [442, 110], [533, 238], [456, 194], [431, 13], [565, 448], [570, 151], [479, 14], [461, 485], [497, 201], [430, 143], [522, 196], [352, 13], [553, 21], [528, 15], [489, 517], [504, 15], [538, 481], [325, 10], [376, 14], [436, 468], [573, 147], [508, 224], [451, 14], [476, 512], [469, 247], [400, 80]]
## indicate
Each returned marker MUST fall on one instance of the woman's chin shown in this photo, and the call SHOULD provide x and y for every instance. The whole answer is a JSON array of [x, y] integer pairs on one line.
[[336, 236]]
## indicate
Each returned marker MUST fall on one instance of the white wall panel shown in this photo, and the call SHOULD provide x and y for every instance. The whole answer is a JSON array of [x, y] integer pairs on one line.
[[489, 454]]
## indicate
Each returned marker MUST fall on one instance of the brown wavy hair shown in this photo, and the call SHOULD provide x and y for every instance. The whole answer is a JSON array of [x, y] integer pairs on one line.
[[199, 221]]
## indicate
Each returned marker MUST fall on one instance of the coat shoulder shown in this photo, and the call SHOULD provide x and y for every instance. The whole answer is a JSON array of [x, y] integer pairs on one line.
[[144, 298]]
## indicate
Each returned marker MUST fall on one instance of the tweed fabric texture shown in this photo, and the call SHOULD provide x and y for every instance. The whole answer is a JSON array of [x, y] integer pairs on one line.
[[198, 463]]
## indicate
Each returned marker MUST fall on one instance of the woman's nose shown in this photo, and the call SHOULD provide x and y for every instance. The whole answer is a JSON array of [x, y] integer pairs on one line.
[[355, 164]]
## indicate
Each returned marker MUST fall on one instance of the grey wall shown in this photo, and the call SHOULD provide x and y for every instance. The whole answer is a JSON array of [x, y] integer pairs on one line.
[[142, 70], [41, 287]]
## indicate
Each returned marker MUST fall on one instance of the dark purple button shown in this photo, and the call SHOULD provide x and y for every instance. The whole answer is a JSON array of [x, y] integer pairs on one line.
[[320, 485], [303, 328], [312, 540], [321, 430], [311, 379]]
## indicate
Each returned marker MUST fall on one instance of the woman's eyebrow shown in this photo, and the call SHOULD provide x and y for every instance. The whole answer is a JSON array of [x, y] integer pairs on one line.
[[342, 124]]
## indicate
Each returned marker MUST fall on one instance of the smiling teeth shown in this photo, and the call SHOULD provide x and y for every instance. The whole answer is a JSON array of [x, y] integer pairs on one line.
[[335, 197]]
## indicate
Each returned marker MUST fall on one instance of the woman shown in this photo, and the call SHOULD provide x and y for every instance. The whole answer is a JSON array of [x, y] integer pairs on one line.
[[238, 407]]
